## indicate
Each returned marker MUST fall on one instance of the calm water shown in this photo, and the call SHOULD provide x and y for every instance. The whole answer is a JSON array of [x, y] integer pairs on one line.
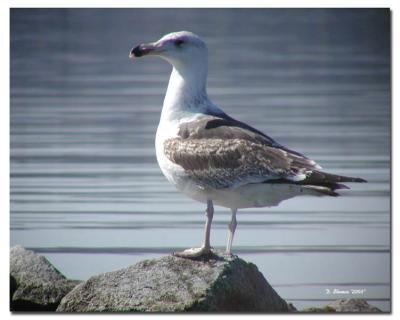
[[86, 190]]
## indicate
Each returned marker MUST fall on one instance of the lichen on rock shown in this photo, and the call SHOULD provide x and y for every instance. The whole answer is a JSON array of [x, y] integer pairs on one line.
[[217, 283]]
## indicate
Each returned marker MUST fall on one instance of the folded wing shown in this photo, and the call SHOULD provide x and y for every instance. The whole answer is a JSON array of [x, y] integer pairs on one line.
[[220, 152]]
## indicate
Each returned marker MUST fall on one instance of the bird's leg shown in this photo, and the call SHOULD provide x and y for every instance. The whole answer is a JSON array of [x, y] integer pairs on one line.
[[205, 248], [232, 228], [207, 229]]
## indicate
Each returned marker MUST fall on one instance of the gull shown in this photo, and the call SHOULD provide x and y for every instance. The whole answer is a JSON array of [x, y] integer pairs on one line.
[[213, 158]]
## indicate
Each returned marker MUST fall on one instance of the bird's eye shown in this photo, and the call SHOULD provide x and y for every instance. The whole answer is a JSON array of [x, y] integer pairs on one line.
[[178, 42]]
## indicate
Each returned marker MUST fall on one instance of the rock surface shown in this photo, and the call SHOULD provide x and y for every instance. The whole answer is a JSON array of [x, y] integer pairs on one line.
[[35, 285], [345, 305], [353, 305], [171, 284], [218, 283]]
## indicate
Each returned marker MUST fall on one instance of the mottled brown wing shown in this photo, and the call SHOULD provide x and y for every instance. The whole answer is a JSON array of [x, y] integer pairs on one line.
[[225, 127], [219, 151], [225, 163]]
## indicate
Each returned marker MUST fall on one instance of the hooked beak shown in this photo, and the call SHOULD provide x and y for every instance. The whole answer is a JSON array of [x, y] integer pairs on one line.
[[145, 49]]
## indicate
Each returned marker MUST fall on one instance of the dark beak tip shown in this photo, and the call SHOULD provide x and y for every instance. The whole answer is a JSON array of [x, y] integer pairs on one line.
[[136, 52]]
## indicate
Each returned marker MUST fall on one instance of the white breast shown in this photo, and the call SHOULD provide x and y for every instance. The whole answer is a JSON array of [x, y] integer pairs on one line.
[[173, 172], [166, 131]]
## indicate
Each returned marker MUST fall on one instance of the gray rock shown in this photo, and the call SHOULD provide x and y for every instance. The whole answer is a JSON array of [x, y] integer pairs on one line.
[[35, 285], [171, 284], [353, 305], [345, 305]]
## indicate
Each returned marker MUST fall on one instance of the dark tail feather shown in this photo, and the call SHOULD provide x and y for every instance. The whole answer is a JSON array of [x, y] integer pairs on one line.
[[337, 186], [332, 182], [322, 182], [322, 177], [349, 179]]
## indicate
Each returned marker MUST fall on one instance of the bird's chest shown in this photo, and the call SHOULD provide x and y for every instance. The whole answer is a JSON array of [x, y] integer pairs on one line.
[[170, 170], [173, 172]]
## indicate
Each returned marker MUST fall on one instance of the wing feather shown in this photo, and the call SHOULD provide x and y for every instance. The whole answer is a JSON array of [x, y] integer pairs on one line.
[[221, 152], [225, 163]]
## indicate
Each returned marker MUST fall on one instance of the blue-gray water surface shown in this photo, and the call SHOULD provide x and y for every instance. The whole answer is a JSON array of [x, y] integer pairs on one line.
[[86, 190]]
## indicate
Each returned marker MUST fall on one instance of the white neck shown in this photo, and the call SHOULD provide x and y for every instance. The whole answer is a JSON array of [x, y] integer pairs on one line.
[[186, 94]]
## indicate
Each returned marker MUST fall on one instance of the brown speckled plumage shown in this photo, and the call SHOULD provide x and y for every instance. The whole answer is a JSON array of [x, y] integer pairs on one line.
[[220, 152]]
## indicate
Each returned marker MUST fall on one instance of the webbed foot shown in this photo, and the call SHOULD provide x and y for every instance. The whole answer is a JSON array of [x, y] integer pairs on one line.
[[193, 252]]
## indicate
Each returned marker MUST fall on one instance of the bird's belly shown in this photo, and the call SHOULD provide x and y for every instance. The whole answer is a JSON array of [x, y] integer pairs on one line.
[[182, 181], [258, 195]]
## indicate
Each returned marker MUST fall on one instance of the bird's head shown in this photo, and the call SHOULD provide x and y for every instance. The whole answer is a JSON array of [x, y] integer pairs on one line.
[[178, 48]]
